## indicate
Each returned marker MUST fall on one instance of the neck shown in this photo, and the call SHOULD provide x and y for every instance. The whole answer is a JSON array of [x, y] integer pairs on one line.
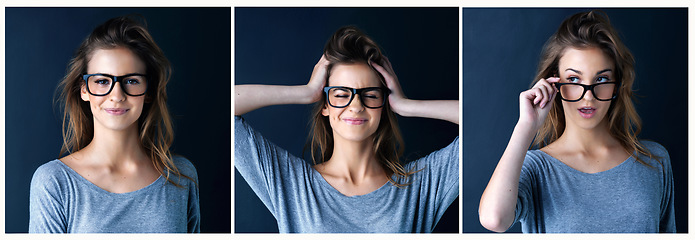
[[354, 160], [587, 140], [116, 148]]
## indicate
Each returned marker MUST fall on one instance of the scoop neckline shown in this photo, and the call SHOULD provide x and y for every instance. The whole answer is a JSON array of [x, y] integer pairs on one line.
[[332, 189], [607, 171], [96, 188]]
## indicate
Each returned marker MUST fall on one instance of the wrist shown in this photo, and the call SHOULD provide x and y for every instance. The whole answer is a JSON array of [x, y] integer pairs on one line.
[[526, 127]]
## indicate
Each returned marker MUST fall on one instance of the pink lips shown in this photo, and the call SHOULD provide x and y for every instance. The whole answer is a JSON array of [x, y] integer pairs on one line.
[[116, 111], [355, 121], [587, 112]]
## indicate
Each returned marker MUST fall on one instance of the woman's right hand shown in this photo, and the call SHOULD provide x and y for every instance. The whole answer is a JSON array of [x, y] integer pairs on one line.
[[254, 96], [318, 80], [535, 103], [498, 202]]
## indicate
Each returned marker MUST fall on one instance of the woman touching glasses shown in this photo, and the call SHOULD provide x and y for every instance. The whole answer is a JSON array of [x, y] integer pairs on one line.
[[118, 174], [591, 173], [357, 182]]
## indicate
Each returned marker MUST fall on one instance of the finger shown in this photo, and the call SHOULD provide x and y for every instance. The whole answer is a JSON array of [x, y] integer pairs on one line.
[[537, 96], [550, 88], [544, 95], [387, 64], [553, 79], [381, 70]]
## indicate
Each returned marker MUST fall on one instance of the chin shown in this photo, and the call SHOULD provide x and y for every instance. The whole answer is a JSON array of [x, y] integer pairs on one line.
[[117, 125]]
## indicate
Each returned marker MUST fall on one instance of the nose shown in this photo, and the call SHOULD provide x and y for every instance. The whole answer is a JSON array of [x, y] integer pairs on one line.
[[589, 95], [356, 104], [117, 94]]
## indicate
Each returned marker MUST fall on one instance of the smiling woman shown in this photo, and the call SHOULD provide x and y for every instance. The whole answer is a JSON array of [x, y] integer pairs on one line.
[[118, 174], [358, 182]]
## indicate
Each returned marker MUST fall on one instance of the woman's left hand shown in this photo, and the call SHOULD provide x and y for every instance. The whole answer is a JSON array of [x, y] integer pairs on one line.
[[438, 109], [396, 97]]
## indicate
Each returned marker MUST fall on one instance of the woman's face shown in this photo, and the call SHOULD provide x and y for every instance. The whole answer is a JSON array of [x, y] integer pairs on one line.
[[115, 111], [587, 66], [354, 122]]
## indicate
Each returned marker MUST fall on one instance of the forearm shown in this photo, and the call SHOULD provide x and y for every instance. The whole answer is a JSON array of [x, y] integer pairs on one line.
[[498, 202], [438, 109], [251, 97]]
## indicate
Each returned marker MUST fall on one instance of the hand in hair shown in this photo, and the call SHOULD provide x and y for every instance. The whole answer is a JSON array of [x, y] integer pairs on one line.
[[535, 103], [254, 96], [318, 79], [438, 109]]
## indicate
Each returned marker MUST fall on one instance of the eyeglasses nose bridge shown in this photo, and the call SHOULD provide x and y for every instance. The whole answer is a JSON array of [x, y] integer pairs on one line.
[[354, 96]]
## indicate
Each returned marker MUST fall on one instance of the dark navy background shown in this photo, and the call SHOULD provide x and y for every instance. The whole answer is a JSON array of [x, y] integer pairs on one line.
[[280, 46], [501, 49], [41, 41]]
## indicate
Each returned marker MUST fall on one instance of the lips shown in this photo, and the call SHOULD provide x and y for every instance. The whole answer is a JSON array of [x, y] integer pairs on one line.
[[355, 121], [587, 112], [116, 111]]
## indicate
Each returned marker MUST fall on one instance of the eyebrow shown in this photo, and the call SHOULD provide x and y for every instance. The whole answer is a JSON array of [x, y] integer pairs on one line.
[[580, 72]]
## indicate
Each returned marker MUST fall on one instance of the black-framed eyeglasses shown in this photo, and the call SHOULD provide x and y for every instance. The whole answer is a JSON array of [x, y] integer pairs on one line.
[[100, 84], [573, 92], [371, 97]]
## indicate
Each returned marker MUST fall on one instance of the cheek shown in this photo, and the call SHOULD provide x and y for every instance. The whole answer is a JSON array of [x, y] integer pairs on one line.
[[378, 115]]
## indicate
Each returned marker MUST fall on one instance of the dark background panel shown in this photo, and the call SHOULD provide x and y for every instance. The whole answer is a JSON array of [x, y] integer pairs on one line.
[[501, 49], [280, 46], [41, 41]]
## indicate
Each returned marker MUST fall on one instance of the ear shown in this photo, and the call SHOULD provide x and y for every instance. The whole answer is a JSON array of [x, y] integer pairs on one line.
[[83, 93], [324, 111]]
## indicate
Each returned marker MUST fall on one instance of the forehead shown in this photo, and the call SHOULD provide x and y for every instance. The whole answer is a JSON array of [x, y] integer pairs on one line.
[[116, 61], [357, 75], [588, 60]]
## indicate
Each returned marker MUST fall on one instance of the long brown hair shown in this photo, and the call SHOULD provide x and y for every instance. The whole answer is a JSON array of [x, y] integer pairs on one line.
[[349, 45], [589, 30], [155, 125]]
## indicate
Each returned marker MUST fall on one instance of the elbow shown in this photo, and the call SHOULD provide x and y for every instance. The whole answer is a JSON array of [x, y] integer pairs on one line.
[[493, 221]]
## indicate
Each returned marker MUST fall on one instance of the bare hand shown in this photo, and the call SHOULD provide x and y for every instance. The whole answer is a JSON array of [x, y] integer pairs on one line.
[[396, 98], [318, 79], [535, 103]]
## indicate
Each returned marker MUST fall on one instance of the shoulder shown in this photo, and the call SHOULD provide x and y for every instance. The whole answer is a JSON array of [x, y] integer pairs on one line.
[[535, 155], [444, 156], [50, 170], [538, 160], [185, 166], [50, 177], [661, 156], [655, 148]]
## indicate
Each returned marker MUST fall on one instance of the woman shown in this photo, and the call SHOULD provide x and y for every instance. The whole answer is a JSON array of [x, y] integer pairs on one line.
[[591, 173], [357, 182], [119, 175]]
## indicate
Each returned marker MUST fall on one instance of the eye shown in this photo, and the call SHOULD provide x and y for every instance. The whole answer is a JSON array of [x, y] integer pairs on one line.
[[103, 81], [371, 95], [132, 81], [573, 79], [340, 93], [602, 79]]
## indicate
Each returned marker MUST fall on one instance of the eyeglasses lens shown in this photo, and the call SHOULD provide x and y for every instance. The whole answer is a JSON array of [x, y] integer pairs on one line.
[[574, 92]]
